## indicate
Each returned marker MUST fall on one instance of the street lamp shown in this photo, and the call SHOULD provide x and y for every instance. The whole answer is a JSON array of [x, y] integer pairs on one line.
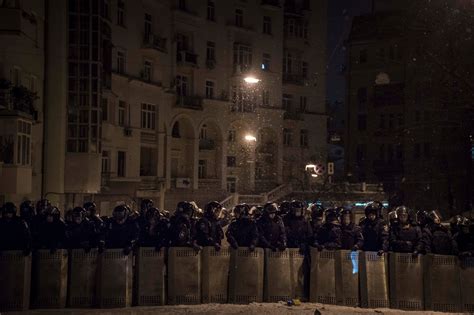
[[251, 80], [250, 138]]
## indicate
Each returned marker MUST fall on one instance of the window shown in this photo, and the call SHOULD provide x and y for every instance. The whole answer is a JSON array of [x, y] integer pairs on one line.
[[121, 62], [231, 161], [304, 138], [211, 51], [106, 9], [417, 151], [304, 69], [362, 97], [7, 151], [210, 89], [417, 116], [303, 104], [181, 85], [23, 155], [231, 135], [427, 149], [105, 109], [121, 12], [266, 62], [287, 102], [147, 74], [287, 137], [390, 121], [16, 76], [267, 25], [148, 116], [175, 133], [399, 151], [390, 152], [202, 169], [239, 18], [121, 164], [211, 10], [391, 53], [362, 122], [231, 185], [182, 42], [148, 160], [266, 98], [382, 152], [203, 132], [148, 28], [242, 56], [382, 121], [401, 121], [122, 108], [105, 162], [363, 56], [182, 5], [360, 153], [305, 30]]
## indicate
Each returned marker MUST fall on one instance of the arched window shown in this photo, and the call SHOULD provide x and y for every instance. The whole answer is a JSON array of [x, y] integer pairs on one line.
[[175, 132]]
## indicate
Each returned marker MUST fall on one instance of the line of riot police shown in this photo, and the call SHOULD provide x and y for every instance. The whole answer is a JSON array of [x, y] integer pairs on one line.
[[272, 226]]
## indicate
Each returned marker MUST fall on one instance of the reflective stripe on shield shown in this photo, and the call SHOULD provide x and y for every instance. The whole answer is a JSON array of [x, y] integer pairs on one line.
[[373, 280], [15, 277], [277, 281], [246, 276], [150, 276], [215, 274], [347, 278], [82, 278], [184, 277], [49, 282], [115, 279], [406, 281]]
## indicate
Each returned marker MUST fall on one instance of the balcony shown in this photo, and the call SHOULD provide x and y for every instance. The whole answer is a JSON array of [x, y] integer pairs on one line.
[[189, 102], [271, 4], [154, 42], [17, 99], [206, 144], [291, 78], [293, 115], [187, 58]]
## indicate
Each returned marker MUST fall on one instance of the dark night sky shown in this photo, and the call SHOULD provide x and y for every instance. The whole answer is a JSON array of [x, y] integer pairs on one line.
[[340, 13]]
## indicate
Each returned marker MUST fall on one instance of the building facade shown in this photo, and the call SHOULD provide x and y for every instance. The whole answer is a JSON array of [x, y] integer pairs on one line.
[[171, 100]]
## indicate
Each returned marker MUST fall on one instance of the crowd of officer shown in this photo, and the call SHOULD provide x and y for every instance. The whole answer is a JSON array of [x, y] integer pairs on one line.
[[276, 227]]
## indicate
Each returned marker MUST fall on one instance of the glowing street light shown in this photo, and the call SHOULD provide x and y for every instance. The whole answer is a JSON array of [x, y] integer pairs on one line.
[[314, 175], [250, 138], [251, 80], [310, 168]]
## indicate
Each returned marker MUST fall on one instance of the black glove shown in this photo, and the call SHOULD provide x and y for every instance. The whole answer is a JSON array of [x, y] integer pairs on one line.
[[26, 251], [415, 254], [101, 247], [282, 247], [53, 250], [217, 247], [380, 252], [252, 248], [127, 250], [196, 247], [273, 248], [355, 248]]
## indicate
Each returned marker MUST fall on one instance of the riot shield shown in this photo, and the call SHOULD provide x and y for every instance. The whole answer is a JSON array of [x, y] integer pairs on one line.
[[215, 274], [15, 277], [466, 271], [49, 281], [406, 281], [115, 279], [347, 278], [373, 280], [150, 274], [298, 274], [442, 287], [82, 282], [323, 278], [184, 276], [277, 281], [246, 276]]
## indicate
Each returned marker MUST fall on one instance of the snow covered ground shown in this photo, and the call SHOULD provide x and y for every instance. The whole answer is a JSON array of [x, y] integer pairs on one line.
[[227, 309]]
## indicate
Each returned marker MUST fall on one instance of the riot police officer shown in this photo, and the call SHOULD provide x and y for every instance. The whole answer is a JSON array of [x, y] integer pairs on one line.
[[405, 237], [317, 218], [375, 231], [93, 216], [182, 226], [437, 239], [14, 232], [208, 228], [154, 232], [285, 207], [27, 212], [329, 236], [422, 218], [298, 229], [271, 230], [351, 234], [392, 218], [80, 232], [51, 231], [465, 238], [144, 206], [242, 232], [256, 212], [120, 231]]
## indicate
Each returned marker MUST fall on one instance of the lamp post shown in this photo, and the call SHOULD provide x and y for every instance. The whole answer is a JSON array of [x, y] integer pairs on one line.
[[251, 141]]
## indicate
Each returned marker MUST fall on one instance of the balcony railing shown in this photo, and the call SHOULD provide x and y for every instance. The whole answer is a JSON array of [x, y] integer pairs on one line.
[[206, 144], [293, 115], [187, 57], [293, 78], [17, 98], [154, 42], [190, 102]]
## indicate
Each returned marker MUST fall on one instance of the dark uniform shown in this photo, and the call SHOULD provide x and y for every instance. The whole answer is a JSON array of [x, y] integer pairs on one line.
[[14, 232], [242, 232], [375, 230], [271, 230], [465, 238], [405, 237], [208, 228], [329, 236], [120, 231], [351, 234], [92, 215], [154, 233], [437, 239], [51, 231], [298, 230], [317, 219], [182, 226], [80, 231]]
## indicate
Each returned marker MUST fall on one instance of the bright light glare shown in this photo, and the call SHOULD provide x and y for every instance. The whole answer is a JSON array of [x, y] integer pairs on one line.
[[310, 167], [251, 80], [250, 138], [314, 175]]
